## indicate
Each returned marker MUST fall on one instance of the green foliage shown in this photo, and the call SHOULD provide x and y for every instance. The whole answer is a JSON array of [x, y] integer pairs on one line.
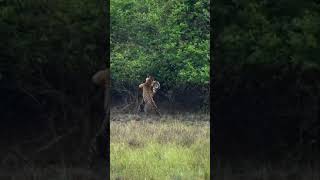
[[267, 56], [169, 40], [48, 52], [53, 41], [262, 32]]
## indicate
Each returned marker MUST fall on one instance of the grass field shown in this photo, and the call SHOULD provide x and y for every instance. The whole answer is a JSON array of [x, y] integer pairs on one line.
[[252, 169], [174, 147]]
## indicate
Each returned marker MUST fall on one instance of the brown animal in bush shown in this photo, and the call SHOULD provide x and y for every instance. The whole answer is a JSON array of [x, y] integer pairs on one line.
[[98, 144], [100, 77], [149, 88]]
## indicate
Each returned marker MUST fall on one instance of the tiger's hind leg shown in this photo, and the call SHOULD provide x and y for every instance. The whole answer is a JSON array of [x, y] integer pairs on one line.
[[157, 112], [150, 110], [141, 107]]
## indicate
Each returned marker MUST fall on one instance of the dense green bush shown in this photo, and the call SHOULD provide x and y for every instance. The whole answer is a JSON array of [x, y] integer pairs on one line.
[[168, 39], [266, 69], [48, 52]]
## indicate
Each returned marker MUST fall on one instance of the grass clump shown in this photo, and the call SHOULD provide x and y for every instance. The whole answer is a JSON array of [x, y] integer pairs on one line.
[[166, 149]]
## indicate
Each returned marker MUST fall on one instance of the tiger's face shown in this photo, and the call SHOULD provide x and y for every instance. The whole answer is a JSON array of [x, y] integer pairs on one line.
[[101, 77], [149, 79], [155, 86]]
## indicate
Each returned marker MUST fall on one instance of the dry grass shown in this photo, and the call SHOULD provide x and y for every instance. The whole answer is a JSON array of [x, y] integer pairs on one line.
[[170, 148], [51, 173], [258, 170]]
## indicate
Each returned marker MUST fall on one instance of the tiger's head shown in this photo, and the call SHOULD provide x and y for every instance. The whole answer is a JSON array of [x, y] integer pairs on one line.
[[101, 77], [149, 80]]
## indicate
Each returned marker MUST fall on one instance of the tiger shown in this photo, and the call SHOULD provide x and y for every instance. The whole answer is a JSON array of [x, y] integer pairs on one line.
[[149, 88], [98, 143], [101, 78]]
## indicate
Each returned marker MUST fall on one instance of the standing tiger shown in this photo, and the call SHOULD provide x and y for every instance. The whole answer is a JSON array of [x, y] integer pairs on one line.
[[149, 88], [99, 142]]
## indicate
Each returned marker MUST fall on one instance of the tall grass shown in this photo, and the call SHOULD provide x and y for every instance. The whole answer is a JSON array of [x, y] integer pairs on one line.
[[166, 149], [252, 169]]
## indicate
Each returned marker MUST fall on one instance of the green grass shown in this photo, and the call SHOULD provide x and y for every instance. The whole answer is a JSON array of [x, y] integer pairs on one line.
[[165, 149], [252, 169]]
